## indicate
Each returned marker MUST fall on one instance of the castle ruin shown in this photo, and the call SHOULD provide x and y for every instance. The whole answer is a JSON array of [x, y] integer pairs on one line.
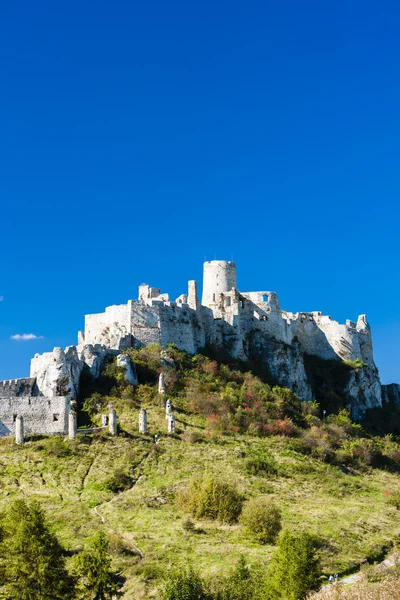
[[250, 326]]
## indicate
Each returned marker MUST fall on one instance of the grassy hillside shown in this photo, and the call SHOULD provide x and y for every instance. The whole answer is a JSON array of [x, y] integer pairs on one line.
[[328, 477]]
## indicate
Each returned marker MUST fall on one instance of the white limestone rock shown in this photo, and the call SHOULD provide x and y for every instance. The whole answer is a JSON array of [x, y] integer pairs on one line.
[[57, 373], [363, 391], [124, 361]]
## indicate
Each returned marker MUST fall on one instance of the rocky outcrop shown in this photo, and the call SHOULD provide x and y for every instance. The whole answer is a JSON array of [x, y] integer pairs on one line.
[[363, 391], [124, 361], [391, 394], [57, 373]]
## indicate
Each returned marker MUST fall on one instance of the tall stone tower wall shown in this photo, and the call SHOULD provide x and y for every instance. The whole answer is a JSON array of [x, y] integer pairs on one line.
[[219, 276]]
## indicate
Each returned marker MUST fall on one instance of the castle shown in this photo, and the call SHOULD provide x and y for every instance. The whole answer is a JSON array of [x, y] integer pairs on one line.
[[246, 325]]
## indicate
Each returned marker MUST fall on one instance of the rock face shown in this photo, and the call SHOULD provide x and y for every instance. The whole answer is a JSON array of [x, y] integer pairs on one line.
[[363, 391], [391, 394], [57, 373], [124, 361]]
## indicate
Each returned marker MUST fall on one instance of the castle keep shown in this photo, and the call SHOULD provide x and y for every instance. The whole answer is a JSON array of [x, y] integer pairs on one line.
[[246, 325]]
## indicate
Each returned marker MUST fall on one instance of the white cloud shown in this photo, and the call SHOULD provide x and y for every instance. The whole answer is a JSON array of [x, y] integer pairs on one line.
[[1, 298], [26, 336]]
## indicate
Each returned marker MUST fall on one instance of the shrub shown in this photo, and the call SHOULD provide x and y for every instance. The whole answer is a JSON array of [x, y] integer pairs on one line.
[[393, 498], [119, 481], [260, 462], [357, 363], [240, 584], [55, 446], [193, 437], [262, 519], [212, 498], [184, 584]]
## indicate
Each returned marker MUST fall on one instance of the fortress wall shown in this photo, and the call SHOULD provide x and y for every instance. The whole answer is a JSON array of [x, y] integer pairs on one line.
[[109, 327], [41, 415], [145, 324], [177, 327], [18, 387]]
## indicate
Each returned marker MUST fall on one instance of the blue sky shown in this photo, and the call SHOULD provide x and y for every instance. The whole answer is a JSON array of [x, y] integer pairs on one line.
[[139, 138]]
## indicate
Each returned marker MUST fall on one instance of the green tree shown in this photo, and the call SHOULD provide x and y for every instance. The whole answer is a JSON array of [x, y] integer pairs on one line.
[[184, 584], [33, 564], [97, 581], [294, 569]]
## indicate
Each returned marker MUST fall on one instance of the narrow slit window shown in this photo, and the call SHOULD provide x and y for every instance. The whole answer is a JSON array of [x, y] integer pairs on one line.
[[56, 417], [265, 297]]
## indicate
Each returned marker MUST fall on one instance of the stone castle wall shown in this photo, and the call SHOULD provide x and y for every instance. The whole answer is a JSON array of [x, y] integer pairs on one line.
[[247, 325], [41, 414]]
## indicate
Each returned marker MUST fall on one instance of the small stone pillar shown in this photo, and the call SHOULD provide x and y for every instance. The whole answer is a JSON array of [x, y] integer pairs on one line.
[[168, 409], [19, 430], [161, 383], [112, 422], [142, 421], [104, 420], [161, 389], [171, 424], [72, 425]]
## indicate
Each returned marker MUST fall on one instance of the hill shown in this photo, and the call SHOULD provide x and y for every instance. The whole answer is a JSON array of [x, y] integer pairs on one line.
[[329, 476]]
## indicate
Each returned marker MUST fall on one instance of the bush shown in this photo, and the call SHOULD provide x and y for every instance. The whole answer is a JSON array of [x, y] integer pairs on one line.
[[56, 446], [262, 519], [184, 584], [261, 462], [240, 584], [212, 498], [393, 498], [119, 481]]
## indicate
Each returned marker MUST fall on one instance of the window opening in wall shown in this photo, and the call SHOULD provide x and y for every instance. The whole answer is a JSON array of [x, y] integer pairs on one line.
[[242, 304], [14, 418], [228, 301], [56, 417], [213, 297], [265, 297]]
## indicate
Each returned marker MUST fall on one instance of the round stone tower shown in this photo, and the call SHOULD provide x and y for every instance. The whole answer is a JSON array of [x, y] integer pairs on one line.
[[219, 276]]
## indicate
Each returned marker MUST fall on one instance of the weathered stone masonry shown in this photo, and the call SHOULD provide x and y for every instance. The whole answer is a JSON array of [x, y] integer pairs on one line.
[[247, 325]]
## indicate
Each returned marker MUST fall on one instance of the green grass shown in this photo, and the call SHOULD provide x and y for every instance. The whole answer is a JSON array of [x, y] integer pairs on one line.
[[347, 512], [346, 508]]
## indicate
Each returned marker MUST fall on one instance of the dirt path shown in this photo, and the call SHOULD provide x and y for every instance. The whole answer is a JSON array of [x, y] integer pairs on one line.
[[350, 579]]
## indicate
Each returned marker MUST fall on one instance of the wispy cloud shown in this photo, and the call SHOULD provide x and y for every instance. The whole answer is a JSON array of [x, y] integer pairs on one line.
[[26, 336], [1, 298]]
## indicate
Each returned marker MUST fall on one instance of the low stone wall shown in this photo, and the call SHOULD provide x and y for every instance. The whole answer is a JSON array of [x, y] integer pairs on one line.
[[41, 415]]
